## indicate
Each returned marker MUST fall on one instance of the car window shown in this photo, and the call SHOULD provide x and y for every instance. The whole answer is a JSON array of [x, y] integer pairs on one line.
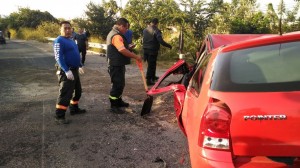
[[197, 79], [266, 68]]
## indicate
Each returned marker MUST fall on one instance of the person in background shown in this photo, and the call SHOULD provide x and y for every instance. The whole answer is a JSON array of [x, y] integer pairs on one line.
[[87, 33], [118, 55], [69, 66], [128, 36], [152, 39], [8, 34], [82, 43], [73, 34]]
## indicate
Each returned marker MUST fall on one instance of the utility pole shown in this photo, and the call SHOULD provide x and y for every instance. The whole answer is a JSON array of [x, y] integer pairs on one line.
[[280, 17], [181, 37]]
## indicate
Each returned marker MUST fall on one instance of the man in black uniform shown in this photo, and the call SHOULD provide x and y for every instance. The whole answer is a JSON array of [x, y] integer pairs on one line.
[[82, 43], [152, 38], [118, 55], [8, 34]]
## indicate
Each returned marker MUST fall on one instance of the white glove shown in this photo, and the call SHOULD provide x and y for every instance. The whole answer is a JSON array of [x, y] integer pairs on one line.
[[70, 75], [81, 71]]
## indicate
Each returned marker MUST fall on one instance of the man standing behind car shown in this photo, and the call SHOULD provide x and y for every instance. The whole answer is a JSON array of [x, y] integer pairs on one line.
[[118, 55], [82, 43], [152, 38], [8, 34], [69, 66]]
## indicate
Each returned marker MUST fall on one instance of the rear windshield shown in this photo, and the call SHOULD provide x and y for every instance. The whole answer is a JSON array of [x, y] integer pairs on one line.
[[267, 68]]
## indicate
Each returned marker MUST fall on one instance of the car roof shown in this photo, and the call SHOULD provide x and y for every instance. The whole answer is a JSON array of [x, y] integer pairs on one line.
[[263, 40], [217, 40]]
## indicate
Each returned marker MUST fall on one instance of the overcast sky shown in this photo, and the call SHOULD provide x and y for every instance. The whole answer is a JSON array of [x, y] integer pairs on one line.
[[70, 9]]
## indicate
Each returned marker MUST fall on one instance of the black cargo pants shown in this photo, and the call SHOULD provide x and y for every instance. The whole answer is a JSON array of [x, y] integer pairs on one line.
[[82, 50], [151, 57], [68, 90], [117, 76]]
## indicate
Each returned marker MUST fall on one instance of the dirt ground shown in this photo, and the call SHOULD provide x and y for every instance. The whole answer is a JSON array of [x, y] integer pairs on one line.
[[99, 138]]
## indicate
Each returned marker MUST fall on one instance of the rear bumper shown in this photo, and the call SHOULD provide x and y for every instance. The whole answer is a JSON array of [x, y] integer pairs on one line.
[[265, 162], [206, 163], [223, 159], [206, 158]]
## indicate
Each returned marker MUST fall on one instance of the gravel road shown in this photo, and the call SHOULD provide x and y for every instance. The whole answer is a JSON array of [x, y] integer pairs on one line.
[[30, 138]]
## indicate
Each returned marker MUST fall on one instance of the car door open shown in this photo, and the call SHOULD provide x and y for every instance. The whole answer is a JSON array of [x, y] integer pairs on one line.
[[174, 79]]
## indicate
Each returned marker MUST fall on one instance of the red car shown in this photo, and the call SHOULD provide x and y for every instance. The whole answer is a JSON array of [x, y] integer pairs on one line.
[[239, 104]]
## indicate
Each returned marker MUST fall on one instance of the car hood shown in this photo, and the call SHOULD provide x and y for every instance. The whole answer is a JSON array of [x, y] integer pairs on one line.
[[264, 124]]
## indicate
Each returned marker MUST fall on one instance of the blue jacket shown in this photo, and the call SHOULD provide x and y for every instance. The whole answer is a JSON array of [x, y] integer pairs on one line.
[[66, 53], [128, 36]]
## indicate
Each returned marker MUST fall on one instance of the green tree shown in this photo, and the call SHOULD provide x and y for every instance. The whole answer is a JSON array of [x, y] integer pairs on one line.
[[197, 16], [168, 12], [246, 18], [203, 13], [48, 29], [292, 22], [220, 22], [138, 18], [3, 23], [27, 18], [241, 17], [99, 22], [284, 20], [273, 18], [111, 9]]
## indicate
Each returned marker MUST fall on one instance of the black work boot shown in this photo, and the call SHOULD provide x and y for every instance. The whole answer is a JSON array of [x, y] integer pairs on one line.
[[150, 82], [155, 78], [121, 103], [117, 110], [61, 120], [74, 109], [114, 108], [60, 117]]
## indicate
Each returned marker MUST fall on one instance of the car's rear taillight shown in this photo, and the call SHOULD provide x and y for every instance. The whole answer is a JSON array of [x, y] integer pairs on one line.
[[215, 126]]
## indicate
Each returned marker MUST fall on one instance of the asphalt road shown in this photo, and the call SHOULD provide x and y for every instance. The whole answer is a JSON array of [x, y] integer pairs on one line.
[[30, 137]]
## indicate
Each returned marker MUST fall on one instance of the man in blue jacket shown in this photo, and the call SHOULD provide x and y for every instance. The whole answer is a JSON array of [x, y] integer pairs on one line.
[[69, 66]]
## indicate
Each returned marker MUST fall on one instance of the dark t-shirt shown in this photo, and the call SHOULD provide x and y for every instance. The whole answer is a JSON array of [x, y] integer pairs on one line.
[[81, 39]]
